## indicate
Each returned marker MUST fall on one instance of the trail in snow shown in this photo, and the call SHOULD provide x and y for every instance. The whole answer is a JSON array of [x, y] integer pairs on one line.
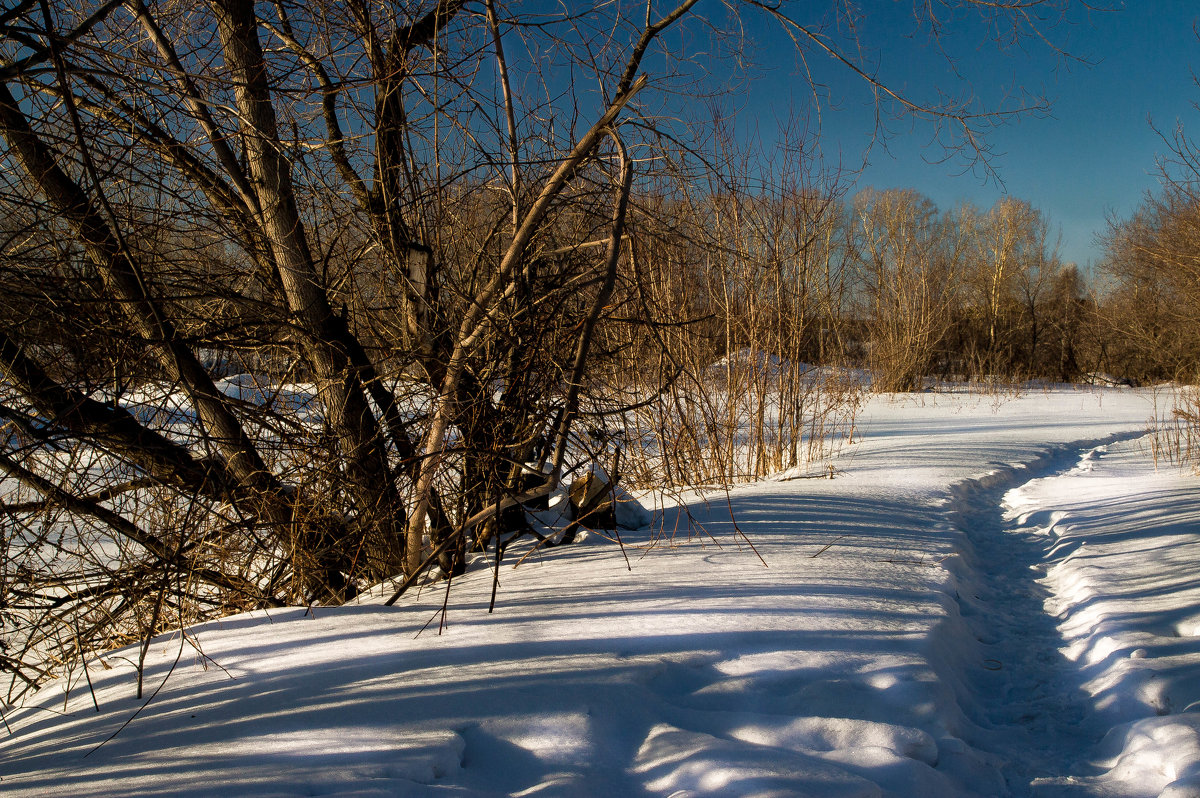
[[1031, 703]]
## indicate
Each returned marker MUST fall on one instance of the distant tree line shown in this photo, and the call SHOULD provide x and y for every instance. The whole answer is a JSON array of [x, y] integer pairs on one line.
[[885, 281]]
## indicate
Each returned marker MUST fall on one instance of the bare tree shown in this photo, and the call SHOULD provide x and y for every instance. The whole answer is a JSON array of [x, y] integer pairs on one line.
[[1009, 263], [904, 282]]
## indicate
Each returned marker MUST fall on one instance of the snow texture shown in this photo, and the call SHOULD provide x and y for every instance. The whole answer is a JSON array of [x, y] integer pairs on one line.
[[994, 596]]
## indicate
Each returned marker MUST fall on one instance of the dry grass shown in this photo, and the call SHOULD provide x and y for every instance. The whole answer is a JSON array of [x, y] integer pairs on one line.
[[1174, 433]]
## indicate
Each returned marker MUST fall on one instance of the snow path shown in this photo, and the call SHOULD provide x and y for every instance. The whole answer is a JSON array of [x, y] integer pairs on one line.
[[851, 666], [1028, 691], [1123, 575]]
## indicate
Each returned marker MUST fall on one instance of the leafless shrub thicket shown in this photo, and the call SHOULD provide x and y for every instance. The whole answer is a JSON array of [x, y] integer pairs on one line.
[[1153, 277], [1174, 433], [292, 294], [747, 289]]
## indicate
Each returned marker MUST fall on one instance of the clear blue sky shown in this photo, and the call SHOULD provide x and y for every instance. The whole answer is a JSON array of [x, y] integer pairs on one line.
[[1094, 154]]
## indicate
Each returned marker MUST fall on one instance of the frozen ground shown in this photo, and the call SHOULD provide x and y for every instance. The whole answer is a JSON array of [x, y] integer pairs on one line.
[[992, 597]]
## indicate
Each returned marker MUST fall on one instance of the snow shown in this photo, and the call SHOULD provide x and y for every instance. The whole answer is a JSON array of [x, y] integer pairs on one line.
[[754, 362], [994, 595]]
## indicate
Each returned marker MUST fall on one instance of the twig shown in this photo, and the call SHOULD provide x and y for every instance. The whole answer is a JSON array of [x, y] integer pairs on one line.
[[143, 706], [415, 575], [88, 676], [205, 658], [543, 540], [141, 663], [613, 499], [446, 600], [738, 531], [496, 572], [826, 547]]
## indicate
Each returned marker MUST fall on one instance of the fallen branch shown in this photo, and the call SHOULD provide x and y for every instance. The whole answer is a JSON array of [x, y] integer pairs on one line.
[[471, 523]]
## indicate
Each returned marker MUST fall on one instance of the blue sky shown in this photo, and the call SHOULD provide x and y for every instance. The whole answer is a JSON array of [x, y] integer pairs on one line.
[[1092, 156]]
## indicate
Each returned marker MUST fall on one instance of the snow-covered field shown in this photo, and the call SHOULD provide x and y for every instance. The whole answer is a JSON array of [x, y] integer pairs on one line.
[[993, 596]]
